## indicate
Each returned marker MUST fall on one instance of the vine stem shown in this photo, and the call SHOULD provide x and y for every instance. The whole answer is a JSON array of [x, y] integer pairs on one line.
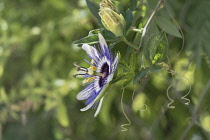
[[123, 126], [128, 43]]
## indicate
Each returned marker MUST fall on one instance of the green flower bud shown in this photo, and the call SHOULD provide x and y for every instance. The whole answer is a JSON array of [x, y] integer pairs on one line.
[[112, 21], [108, 4]]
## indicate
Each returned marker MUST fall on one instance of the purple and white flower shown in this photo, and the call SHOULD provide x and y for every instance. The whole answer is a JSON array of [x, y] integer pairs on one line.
[[98, 75]]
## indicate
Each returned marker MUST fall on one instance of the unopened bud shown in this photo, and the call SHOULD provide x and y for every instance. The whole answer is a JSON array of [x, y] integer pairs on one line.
[[108, 4], [112, 21]]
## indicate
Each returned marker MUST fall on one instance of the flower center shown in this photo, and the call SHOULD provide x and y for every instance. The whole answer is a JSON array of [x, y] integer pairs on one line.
[[105, 72]]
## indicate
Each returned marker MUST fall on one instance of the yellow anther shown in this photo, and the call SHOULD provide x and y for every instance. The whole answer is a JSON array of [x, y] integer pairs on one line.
[[88, 80], [93, 68]]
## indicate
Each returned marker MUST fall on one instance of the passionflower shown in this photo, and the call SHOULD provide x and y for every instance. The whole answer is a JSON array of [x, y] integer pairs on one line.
[[101, 71]]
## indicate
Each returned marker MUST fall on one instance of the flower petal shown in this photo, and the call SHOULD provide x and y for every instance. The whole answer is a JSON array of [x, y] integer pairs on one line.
[[101, 63], [86, 93], [114, 64], [99, 106], [104, 48], [93, 96], [110, 77], [92, 52], [88, 106]]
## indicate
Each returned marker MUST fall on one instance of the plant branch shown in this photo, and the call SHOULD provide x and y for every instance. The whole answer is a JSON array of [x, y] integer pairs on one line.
[[129, 44]]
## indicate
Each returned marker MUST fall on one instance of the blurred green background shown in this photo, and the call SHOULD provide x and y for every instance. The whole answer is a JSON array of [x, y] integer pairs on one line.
[[38, 94]]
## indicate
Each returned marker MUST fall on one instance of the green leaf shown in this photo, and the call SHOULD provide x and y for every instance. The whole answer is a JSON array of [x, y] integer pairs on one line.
[[94, 8], [95, 31], [91, 39], [40, 51], [140, 74], [155, 68], [161, 49], [107, 34], [198, 36], [128, 19], [62, 116], [133, 60], [124, 65], [207, 50], [111, 45], [3, 95], [146, 48], [133, 4], [121, 76], [166, 25], [156, 49]]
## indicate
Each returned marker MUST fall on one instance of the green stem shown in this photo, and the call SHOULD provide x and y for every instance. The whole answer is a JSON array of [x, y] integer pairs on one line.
[[129, 44]]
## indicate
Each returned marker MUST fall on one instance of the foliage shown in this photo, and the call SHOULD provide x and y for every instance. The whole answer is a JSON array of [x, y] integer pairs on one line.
[[40, 40]]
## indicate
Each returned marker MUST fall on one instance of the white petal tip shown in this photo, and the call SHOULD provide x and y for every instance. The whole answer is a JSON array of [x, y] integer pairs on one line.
[[99, 107], [80, 97], [85, 46], [87, 107]]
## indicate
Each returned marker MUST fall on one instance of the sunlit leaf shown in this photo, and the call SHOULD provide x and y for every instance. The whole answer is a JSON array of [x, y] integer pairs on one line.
[[161, 50], [91, 39], [95, 31], [156, 49]]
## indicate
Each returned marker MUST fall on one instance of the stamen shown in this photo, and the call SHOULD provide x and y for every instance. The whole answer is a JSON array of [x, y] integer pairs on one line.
[[75, 75], [82, 69], [93, 68], [79, 68], [88, 80]]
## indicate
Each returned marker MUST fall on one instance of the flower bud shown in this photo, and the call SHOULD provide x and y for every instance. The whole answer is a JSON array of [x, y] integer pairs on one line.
[[108, 4], [112, 21]]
